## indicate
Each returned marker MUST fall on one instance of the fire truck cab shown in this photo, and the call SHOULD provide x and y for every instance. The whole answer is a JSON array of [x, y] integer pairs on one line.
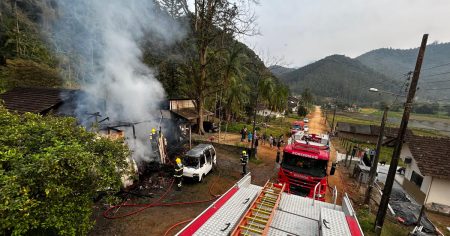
[[304, 166], [297, 126]]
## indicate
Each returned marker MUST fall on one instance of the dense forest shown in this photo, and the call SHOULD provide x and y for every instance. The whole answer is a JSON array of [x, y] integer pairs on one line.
[[386, 68], [338, 77], [204, 62], [396, 62]]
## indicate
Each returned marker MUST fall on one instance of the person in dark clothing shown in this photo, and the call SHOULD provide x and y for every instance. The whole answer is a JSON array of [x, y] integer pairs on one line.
[[243, 134], [256, 145], [278, 156], [280, 142], [354, 151], [178, 173], [244, 161]]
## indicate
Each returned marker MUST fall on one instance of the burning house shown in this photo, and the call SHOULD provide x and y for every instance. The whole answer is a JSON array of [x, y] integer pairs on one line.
[[137, 134]]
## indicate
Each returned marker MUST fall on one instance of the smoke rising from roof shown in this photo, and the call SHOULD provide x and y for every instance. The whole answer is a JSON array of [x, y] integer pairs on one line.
[[103, 40]]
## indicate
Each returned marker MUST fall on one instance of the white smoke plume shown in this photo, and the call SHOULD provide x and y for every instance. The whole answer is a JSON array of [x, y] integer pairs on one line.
[[104, 38]]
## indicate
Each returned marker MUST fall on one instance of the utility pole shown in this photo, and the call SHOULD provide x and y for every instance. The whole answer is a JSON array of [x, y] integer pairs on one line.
[[334, 114], [373, 168], [400, 137]]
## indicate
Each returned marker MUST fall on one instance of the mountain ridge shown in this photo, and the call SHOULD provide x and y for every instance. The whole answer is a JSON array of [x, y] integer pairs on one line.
[[384, 63]]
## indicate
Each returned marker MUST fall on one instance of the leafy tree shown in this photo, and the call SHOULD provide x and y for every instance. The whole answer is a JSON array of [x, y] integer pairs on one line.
[[213, 21], [307, 98], [425, 108], [302, 110], [50, 170]]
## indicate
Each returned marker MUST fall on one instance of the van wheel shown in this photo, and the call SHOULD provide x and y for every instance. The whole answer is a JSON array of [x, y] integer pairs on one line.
[[201, 178]]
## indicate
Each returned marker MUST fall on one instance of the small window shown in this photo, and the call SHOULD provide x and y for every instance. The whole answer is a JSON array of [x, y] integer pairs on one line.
[[208, 156], [202, 160], [213, 153], [416, 178]]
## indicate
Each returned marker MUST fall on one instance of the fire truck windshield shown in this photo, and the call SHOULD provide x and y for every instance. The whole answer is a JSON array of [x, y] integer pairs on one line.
[[304, 165]]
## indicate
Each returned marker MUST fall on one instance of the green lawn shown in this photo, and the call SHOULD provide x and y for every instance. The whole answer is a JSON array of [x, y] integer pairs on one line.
[[385, 153], [275, 127], [366, 220]]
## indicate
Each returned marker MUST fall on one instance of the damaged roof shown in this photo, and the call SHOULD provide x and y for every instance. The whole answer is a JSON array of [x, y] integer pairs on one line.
[[190, 113], [432, 155], [34, 100]]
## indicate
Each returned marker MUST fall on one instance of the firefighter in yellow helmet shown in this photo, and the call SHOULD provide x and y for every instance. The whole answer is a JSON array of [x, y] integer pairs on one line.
[[178, 172], [244, 161], [153, 134]]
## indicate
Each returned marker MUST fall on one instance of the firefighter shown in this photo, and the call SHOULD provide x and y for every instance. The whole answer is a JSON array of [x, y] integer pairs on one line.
[[244, 161], [178, 173], [153, 134]]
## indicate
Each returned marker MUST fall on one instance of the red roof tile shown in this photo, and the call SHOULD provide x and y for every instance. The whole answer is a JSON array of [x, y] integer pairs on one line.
[[35, 100], [432, 155]]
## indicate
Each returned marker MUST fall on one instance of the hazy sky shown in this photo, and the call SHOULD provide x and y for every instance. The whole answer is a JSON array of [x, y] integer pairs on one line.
[[303, 31]]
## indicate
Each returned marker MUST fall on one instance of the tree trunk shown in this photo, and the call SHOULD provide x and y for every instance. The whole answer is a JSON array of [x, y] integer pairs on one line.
[[200, 105], [200, 102]]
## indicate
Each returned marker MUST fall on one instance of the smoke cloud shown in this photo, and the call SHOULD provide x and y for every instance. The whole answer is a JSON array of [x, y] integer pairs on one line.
[[103, 39]]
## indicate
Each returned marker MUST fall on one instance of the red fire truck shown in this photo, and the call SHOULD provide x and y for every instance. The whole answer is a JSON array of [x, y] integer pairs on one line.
[[297, 126], [304, 166]]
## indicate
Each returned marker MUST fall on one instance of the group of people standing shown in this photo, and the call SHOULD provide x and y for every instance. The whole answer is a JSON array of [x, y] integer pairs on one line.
[[273, 141]]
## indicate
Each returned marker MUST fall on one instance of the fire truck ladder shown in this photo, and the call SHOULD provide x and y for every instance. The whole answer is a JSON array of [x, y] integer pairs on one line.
[[257, 219]]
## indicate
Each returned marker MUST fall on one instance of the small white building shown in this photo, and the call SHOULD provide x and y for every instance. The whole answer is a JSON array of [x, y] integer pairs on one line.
[[427, 174], [267, 112]]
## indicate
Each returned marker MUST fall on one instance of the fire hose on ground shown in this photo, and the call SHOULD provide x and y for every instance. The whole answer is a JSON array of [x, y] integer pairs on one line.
[[156, 203]]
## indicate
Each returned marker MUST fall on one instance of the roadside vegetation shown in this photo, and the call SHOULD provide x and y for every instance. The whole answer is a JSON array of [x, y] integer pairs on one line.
[[366, 220], [276, 127], [385, 153], [50, 172]]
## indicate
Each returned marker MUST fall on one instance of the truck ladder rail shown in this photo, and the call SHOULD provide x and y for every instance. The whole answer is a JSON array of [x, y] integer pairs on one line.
[[257, 218]]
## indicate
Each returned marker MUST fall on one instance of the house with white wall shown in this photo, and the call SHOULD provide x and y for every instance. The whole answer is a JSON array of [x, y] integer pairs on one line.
[[267, 112], [427, 174]]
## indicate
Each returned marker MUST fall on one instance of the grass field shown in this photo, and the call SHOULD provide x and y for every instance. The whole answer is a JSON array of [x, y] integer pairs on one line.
[[385, 154], [398, 114], [375, 120], [275, 127]]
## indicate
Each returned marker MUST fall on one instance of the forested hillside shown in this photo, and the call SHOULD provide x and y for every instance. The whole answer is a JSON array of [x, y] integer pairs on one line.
[[279, 70], [207, 64], [395, 62], [338, 77]]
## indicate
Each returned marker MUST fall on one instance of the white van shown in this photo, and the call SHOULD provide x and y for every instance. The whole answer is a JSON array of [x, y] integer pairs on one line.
[[199, 161]]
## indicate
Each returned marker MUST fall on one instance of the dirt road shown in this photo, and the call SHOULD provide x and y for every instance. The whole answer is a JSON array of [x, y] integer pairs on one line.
[[317, 125]]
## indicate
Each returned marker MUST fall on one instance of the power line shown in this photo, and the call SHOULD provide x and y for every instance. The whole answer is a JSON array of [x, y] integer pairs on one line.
[[443, 73], [429, 68], [436, 88], [435, 81]]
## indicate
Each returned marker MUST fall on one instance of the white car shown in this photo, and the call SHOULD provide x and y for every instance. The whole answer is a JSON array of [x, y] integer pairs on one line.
[[305, 128], [306, 120], [199, 161]]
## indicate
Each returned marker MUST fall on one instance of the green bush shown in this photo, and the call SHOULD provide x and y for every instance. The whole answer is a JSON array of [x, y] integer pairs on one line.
[[50, 170]]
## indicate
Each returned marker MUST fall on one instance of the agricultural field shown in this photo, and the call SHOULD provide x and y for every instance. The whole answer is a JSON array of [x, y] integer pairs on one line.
[[420, 124]]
